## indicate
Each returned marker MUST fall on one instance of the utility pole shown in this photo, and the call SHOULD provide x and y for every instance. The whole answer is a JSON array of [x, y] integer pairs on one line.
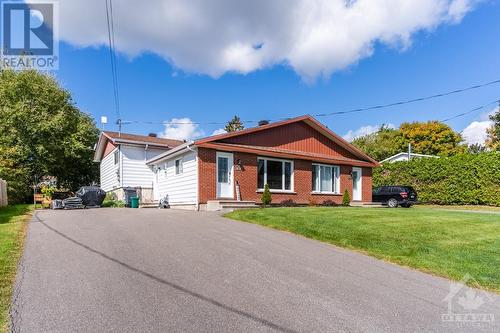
[[119, 123], [409, 151]]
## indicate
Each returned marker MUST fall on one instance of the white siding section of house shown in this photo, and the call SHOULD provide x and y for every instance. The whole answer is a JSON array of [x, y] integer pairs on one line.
[[109, 172], [135, 171], [181, 188]]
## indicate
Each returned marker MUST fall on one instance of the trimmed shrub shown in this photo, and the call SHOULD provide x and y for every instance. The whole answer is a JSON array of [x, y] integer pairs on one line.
[[111, 201], [346, 199], [462, 179], [266, 196]]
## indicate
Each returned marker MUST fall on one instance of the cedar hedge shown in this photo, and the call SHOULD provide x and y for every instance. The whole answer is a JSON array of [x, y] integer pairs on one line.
[[472, 179]]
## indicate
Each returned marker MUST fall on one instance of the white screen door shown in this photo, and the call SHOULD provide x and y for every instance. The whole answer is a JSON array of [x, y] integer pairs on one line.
[[356, 184], [156, 190], [224, 175]]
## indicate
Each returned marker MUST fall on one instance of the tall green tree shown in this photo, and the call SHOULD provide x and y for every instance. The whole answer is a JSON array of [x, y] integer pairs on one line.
[[42, 133], [234, 125], [432, 138], [493, 139], [381, 144]]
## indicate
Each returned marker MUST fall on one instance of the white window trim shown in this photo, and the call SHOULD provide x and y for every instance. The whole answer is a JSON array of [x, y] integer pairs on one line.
[[181, 166], [265, 159], [337, 179]]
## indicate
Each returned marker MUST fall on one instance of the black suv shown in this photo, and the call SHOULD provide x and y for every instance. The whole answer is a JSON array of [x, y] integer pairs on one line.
[[405, 196]]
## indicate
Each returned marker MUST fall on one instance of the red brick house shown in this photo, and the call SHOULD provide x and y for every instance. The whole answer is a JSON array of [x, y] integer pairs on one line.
[[300, 159]]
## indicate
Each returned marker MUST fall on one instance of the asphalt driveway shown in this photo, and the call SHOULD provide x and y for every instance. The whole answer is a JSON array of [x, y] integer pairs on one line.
[[148, 270]]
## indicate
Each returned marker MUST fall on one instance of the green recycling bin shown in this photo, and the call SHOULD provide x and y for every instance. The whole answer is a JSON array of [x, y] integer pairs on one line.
[[134, 202]]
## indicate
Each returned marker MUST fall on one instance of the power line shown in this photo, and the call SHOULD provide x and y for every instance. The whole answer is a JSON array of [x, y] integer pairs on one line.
[[112, 55], [411, 100], [255, 121], [470, 111], [375, 107]]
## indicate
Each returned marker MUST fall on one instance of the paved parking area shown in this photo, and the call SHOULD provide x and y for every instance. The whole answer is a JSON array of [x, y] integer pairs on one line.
[[149, 270]]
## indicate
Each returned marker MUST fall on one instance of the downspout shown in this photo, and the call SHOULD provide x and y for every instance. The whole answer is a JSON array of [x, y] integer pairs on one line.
[[197, 205], [121, 166]]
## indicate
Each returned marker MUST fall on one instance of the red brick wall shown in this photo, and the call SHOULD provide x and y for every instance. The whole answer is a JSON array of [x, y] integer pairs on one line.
[[247, 178]]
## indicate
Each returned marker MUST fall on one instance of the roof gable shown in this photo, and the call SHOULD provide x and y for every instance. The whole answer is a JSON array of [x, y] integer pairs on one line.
[[106, 138], [302, 134]]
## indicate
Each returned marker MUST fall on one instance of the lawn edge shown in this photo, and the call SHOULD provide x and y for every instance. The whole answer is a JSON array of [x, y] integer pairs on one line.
[[21, 238], [364, 252]]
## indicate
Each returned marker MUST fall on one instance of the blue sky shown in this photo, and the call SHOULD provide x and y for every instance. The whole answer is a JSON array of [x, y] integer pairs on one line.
[[451, 56]]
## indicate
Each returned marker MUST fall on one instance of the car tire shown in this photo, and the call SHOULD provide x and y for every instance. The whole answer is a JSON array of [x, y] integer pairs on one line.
[[392, 203]]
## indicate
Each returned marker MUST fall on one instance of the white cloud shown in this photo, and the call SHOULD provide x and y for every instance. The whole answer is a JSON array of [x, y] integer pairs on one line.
[[219, 131], [315, 38], [475, 132], [363, 130], [181, 129]]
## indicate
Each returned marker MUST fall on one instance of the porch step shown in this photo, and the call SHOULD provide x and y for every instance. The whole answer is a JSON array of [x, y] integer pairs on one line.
[[215, 205], [151, 204]]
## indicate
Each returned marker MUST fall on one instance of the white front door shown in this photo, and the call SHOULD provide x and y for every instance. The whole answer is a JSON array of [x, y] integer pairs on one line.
[[225, 175], [356, 184]]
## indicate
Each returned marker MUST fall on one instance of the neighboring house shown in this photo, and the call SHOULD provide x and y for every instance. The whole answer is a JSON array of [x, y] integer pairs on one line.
[[405, 157], [300, 159], [123, 159]]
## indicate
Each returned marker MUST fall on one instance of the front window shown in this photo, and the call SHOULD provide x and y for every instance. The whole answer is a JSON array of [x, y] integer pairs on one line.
[[325, 178], [276, 173], [116, 157]]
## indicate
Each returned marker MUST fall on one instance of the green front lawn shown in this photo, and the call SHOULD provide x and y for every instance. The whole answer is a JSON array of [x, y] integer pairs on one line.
[[445, 243], [12, 230]]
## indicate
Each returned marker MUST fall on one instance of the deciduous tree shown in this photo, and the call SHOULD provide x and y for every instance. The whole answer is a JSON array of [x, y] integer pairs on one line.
[[42, 133], [432, 138], [493, 139], [381, 144]]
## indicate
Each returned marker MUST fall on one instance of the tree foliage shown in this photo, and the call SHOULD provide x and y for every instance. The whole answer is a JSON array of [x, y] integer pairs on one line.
[[431, 138], [234, 125], [493, 139], [381, 144], [43, 133], [460, 179]]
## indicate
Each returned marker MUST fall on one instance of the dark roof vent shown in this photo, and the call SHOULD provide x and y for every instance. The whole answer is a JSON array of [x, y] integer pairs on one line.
[[263, 122], [152, 135]]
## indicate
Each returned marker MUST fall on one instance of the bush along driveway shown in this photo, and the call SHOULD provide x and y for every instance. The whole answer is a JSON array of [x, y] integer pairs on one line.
[[451, 244], [13, 222]]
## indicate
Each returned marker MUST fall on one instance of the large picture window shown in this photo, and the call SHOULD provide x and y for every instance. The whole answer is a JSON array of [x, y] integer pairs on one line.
[[276, 173], [325, 178]]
